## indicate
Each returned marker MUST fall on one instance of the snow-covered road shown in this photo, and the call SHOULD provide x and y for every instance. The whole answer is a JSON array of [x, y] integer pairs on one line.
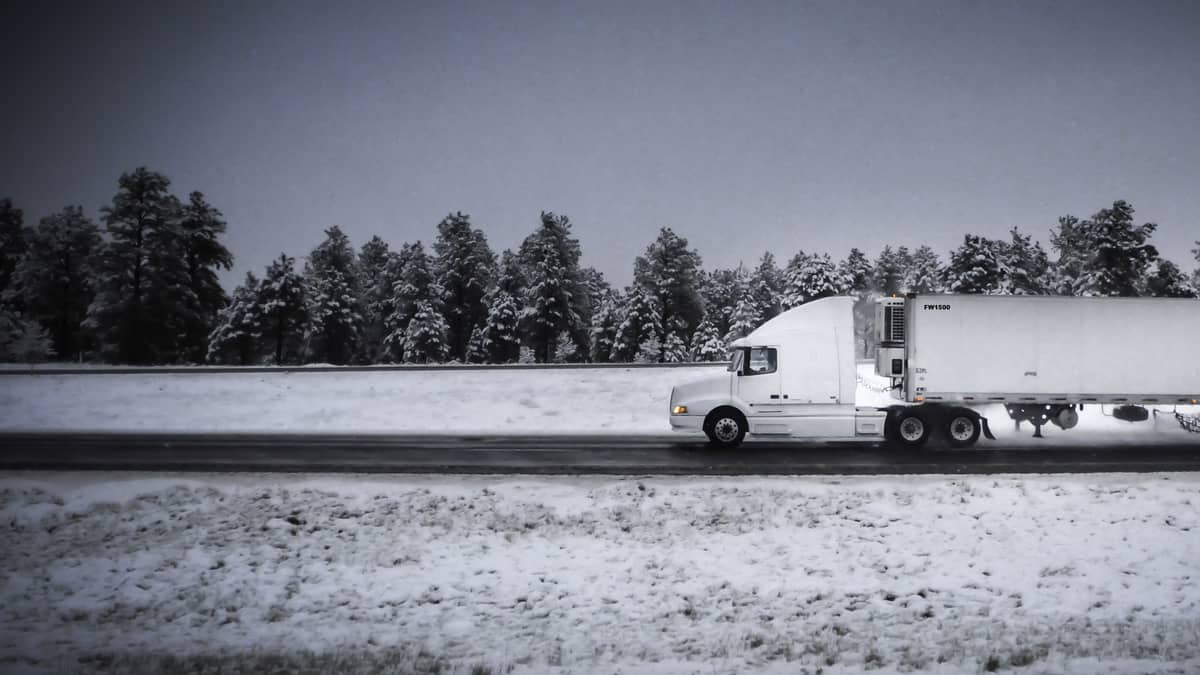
[[1046, 574]]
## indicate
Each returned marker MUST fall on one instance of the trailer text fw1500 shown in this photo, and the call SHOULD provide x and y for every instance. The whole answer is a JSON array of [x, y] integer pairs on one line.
[[1041, 357]]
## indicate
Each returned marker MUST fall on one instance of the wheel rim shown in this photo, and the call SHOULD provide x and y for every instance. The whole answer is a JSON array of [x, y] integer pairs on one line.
[[912, 429], [726, 429], [962, 428]]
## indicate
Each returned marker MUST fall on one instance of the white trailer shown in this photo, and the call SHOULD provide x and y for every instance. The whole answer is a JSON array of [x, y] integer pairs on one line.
[[1041, 357]]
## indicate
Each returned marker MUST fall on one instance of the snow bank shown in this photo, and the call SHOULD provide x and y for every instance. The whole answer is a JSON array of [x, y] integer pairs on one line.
[[1048, 574], [630, 401]]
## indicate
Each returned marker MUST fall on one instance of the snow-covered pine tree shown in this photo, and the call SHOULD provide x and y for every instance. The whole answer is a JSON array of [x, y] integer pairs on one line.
[[745, 316], [719, 289], [283, 311], [53, 279], [766, 285], [792, 293], [707, 344], [642, 320], [465, 267], [1074, 243], [425, 336], [669, 271], [925, 273], [416, 284], [1168, 281], [332, 294], [855, 274], [237, 331], [650, 350], [811, 277], [1122, 254], [674, 350], [890, 270], [201, 226], [501, 331], [22, 339], [554, 297], [378, 270], [1024, 266], [1196, 272], [142, 287], [974, 266], [12, 247], [476, 348], [605, 322]]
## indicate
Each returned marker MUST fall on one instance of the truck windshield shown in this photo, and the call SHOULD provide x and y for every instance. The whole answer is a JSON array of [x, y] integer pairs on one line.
[[735, 360]]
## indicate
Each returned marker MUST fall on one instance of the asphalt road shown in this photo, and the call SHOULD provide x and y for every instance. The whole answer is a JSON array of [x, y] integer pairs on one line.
[[554, 455]]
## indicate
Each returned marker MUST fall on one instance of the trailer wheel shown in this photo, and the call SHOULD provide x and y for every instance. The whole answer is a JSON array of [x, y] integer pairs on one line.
[[725, 427], [963, 430], [910, 429]]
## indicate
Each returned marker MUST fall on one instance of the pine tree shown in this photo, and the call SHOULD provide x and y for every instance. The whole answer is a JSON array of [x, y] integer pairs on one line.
[[378, 271], [707, 344], [1122, 254], [674, 350], [53, 280], [555, 296], [856, 278], [142, 286], [12, 246], [1196, 273], [890, 270], [1073, 241], [767, 285], [466, 267], [501, 338], [425, 335], [642, 320], [201, 228], [605, 323], [1024, 266], [238, 328], [417, 284], [1168, 281], [720, 292], [974, 266], [331, 290], [669, 271], [745, 316], [650, 350], [22, 339], [810, 277], [283, 311], [925, 274]]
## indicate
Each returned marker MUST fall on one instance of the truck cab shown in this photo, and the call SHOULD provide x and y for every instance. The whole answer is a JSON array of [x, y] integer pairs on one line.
[[793, 377]]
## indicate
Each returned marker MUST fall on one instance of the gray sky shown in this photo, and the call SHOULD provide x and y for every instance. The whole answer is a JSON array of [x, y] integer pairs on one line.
[[745, 126]]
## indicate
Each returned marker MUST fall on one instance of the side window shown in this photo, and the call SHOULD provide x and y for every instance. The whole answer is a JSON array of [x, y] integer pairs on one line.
[[763, 360]]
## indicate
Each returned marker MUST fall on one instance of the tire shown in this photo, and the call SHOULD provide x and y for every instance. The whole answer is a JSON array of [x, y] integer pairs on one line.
[[725, 427], [962, 429], [910, 429]]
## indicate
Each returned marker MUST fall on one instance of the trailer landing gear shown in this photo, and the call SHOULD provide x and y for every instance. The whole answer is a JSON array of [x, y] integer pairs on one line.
[[1038, 414]]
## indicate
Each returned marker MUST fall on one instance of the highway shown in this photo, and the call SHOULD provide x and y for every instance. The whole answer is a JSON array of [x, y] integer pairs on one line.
[[639, 455]]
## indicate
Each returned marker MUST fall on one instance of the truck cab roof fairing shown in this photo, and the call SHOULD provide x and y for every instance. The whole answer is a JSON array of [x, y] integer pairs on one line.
[[815, 315]]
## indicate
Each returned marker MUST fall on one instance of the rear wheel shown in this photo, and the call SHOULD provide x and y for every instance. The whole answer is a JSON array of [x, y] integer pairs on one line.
[[725, 427], [963, 429]]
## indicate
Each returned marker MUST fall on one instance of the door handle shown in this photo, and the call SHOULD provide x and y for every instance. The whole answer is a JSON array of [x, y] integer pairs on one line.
[[775, 396]]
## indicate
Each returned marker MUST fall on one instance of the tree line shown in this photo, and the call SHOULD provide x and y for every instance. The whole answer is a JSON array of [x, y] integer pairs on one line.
[[144, 288]]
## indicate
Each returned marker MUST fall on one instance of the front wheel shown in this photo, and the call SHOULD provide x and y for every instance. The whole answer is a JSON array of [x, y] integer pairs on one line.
[[725, 428]]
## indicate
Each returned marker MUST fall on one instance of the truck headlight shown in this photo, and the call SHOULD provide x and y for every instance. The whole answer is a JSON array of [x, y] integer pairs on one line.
[[679, 410]]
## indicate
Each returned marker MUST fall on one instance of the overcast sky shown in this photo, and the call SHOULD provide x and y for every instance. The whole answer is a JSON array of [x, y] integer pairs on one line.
[[744, 126]]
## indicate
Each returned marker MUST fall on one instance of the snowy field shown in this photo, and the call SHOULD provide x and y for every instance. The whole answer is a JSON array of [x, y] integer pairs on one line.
[[589, 401], [1043, 574]]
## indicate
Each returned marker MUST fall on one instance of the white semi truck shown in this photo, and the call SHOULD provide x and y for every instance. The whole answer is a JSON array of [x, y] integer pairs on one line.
[[945, 356]]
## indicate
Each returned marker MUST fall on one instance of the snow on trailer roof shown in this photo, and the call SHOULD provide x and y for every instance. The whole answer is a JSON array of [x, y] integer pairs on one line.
[[822, 313]]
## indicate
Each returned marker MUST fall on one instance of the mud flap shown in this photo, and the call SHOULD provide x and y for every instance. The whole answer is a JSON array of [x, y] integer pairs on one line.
[[987, 431]]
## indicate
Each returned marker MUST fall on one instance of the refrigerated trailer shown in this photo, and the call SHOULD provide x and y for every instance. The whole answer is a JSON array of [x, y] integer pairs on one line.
[[947, 356]]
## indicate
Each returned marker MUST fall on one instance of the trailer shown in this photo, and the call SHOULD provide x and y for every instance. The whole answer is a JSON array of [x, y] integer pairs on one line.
[[946, 356]]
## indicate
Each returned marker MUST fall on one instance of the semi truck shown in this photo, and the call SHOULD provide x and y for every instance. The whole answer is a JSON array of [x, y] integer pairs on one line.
[[947, 358]]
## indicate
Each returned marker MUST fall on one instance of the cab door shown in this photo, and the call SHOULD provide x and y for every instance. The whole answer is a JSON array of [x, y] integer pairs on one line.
[[759, 387]]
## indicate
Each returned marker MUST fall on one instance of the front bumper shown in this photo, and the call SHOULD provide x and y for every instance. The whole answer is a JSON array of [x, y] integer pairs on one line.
[[687, 423]]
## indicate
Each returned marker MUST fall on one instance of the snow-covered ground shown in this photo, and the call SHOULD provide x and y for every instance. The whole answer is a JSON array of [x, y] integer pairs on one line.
[[595, 401], [1038, 574]]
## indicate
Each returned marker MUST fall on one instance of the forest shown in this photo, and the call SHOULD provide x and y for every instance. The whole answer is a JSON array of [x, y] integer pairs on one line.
[[142, 287]]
